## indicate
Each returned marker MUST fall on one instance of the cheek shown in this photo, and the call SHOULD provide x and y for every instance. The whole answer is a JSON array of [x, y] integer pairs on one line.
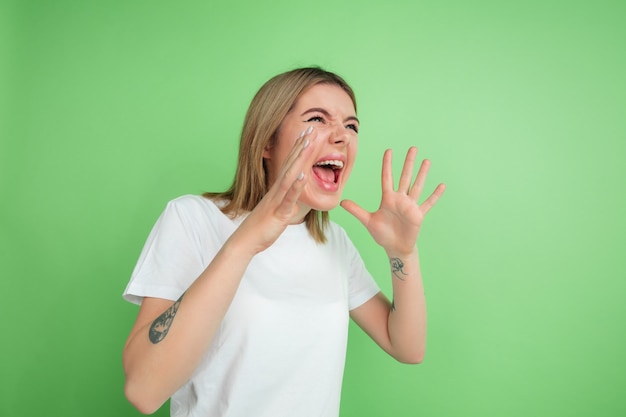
[[353, 149], [352, 152]]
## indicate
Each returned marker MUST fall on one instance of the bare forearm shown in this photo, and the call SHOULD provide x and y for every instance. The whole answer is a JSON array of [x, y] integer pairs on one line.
[[162, 354], [407, 318]]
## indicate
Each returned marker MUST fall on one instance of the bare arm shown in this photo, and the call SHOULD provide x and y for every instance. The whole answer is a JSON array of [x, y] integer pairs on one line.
[[169, 338], [398, 327]]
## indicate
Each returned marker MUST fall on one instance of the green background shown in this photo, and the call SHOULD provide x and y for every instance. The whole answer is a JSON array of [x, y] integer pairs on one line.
[[109, 109]]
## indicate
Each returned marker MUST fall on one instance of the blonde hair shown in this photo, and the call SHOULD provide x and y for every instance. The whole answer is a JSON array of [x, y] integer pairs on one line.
[[267, 110]]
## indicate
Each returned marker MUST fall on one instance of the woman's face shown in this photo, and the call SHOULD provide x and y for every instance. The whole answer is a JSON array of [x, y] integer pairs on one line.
[[329, 110]]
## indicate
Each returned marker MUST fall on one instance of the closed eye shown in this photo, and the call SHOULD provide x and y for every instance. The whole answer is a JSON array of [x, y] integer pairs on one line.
[[320, 119], [316, 119]]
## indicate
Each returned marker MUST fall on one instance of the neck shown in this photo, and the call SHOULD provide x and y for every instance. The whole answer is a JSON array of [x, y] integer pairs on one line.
[[300, 214]]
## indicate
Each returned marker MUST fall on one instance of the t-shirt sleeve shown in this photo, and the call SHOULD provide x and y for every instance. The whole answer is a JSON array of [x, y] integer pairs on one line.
[[362, 285], [170, 260]]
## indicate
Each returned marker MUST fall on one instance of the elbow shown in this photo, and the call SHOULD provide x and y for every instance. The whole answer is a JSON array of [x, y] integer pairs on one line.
[[138, 389], [139, 399], [411, 358]]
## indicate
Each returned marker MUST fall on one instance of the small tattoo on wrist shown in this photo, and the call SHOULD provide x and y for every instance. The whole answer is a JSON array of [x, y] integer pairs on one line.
[[396, 268]]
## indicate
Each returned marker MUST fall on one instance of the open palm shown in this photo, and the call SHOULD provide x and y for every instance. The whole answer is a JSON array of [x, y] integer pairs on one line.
[[397, 222]]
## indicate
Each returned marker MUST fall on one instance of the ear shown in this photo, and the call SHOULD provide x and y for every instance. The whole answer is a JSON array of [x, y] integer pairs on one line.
[[267, 154]]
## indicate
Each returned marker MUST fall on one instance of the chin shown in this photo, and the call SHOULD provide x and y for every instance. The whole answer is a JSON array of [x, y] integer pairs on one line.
[[321, 203]]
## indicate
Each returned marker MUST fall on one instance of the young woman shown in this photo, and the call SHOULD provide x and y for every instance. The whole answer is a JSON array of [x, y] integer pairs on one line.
[[245, 295]]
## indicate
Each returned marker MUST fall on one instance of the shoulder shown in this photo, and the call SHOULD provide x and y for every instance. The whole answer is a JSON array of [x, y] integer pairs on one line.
[[194, 203], [194, 208], [337, 235], [335, 230], [191, 201]]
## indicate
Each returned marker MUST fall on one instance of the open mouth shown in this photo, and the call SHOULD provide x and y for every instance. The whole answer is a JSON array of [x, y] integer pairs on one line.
[[328, 171]]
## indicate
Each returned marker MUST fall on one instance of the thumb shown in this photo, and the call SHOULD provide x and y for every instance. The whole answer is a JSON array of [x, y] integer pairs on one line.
[[357, 211]]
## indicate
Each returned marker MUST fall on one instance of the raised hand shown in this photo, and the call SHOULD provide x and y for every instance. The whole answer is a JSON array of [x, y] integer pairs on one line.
[[397, 222], [279, 207]]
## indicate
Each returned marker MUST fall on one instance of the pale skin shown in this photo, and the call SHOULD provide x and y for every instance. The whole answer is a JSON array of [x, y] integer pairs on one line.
[[169, 338]]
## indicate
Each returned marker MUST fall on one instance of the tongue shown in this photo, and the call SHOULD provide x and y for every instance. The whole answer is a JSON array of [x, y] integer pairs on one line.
[[325, 174]]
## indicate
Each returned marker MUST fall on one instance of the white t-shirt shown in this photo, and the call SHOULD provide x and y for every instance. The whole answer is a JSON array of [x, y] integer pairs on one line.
[[280, 349]]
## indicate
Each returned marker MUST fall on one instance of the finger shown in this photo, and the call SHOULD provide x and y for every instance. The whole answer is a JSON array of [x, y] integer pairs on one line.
[[418, 185], [288, 204], [432, 200], [387, 175], [357, 211], [407, 171], [296, 162], [302, 142]]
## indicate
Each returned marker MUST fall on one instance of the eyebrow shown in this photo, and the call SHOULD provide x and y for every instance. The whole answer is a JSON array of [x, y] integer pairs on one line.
[[325, 113]]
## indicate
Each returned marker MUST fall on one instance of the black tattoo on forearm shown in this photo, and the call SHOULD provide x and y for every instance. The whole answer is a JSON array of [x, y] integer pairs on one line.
[[396, 268], [160, 326]]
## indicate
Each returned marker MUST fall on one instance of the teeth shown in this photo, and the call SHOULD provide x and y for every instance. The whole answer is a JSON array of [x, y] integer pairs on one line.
[[333, 162]]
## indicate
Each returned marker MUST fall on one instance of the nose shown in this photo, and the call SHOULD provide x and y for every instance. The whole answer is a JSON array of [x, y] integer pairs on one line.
[[339, 135]]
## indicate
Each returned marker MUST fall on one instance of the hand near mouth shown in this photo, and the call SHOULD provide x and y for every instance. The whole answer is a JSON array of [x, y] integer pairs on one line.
[[279, 206], [397, 222]]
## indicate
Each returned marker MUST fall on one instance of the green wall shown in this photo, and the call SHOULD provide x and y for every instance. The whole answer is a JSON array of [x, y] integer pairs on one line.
[[111, 108]]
